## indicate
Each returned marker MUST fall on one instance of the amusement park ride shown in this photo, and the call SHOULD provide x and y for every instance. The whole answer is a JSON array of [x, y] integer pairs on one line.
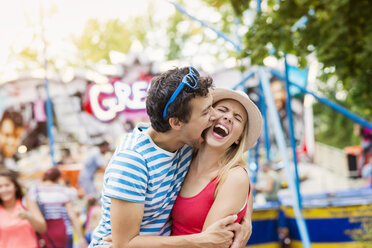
[[307, 232]]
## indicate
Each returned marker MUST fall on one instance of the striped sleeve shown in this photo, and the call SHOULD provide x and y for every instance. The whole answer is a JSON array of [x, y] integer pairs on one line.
[[126, 177], [32, 193]]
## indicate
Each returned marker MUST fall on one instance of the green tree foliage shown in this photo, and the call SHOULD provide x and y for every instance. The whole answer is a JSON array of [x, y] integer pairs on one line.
[[339, 33], [331, 127], [99, 38], [31, 57], [182, 31], [238, 5], [175, 40]]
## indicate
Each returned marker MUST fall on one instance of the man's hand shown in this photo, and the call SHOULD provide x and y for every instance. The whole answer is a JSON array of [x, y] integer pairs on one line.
[[242, 234], [220, 234]]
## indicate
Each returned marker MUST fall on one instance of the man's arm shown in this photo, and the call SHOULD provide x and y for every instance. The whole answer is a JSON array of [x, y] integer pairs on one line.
[[218, 235], [126, 219]]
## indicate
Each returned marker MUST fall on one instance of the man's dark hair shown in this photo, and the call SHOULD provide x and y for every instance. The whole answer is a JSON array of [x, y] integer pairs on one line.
[[161, 89]]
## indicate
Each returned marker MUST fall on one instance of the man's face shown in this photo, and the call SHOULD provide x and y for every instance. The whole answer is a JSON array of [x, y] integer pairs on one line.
[[202, 115]]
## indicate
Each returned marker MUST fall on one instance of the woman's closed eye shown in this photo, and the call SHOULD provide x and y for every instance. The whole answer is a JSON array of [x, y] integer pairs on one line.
[[222, 109], [238, 118]]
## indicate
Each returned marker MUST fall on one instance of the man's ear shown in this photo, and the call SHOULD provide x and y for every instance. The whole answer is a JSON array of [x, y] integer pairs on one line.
[[175, 123]]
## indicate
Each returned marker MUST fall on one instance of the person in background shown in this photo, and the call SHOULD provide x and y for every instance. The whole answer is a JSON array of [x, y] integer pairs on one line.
[[11, 129], [93, 216], [217, 181], [66, 157], [73, 195], [270, 183], [367, 174], [366, 135], [92, 164], [18, 221], [55, 202], [365, 163]]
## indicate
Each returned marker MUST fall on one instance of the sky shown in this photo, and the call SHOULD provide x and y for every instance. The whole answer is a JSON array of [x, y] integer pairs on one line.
[[20, 20], [19, 17]]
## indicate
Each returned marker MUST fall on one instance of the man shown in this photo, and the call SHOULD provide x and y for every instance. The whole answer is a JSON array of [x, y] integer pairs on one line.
[[146, 172], [92, 164], [270, 184]]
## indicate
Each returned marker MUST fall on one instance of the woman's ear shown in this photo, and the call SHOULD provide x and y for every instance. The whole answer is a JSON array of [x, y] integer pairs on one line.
[[175, 123], [237, 142]]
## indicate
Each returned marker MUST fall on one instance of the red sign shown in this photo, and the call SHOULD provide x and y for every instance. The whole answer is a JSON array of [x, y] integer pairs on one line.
[[106, 101]]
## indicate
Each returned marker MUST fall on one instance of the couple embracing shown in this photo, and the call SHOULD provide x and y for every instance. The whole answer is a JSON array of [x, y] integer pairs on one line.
[[196, 140]]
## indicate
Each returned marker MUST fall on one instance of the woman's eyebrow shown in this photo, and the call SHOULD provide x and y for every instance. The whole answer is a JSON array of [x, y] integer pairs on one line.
[[239, 115], [224, 107]]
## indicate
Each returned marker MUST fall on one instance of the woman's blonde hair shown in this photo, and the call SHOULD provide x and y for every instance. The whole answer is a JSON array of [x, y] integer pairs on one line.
[[233, 157]]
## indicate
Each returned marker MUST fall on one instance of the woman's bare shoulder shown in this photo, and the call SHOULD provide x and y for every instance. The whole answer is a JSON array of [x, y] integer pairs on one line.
[[237, 177]]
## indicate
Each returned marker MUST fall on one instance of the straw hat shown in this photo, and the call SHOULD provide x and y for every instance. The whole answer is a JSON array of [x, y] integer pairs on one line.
[[254, 115]]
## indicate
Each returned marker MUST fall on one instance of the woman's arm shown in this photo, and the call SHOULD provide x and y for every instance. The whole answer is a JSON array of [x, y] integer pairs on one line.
[[231, 196], [241, 238], [218, 235], [34, 216], [75, 223]]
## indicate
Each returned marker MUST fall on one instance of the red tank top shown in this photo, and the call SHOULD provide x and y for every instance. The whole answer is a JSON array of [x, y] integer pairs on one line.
[[189, 213]]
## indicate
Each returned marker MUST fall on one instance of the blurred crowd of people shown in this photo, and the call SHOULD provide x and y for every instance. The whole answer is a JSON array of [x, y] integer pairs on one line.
[[51, 212], [46, 214], [54, 213]]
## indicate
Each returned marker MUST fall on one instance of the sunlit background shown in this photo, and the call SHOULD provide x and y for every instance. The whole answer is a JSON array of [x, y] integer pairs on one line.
[[66, 67]]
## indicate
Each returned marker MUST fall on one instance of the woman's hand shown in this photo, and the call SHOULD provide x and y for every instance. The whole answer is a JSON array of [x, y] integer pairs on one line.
[[23, 214], [83, 243]]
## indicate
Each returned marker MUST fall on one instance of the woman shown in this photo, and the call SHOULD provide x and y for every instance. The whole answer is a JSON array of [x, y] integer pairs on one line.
[[55, 203], [93, 213], [17, 218], [217, 185]]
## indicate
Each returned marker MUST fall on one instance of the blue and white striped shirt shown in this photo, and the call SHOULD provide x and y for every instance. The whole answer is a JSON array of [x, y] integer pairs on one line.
[[140, 171], [52, 197]]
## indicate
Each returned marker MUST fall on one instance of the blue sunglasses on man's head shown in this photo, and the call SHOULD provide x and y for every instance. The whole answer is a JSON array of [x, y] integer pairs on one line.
[[190, 79]]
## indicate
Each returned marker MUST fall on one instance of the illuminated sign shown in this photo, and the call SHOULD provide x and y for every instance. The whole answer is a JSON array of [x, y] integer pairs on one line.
[[107, 100]]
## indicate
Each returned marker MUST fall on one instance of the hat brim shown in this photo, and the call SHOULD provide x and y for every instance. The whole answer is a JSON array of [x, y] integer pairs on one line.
[[254, 115]]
